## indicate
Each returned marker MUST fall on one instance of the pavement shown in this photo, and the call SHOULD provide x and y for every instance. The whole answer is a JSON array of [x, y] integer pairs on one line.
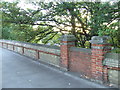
[[23, 72]]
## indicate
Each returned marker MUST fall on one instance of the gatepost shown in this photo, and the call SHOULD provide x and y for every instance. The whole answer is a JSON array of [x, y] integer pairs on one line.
[[100, 47], [67, 41]]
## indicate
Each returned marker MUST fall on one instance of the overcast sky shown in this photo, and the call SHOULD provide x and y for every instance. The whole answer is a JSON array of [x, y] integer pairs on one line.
[[26, 3], [57, 0]]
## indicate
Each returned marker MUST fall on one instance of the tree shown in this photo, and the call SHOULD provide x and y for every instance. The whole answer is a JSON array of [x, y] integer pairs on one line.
[[82, 19]]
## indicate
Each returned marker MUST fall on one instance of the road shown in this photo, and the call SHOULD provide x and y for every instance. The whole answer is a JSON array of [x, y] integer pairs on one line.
[[22, 72]]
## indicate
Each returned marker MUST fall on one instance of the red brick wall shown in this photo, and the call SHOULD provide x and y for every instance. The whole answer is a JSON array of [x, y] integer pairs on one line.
[[64, 56], [80, 61]]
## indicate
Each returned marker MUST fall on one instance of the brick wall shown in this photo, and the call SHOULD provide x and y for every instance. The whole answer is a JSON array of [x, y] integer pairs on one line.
[[96, 63], [80, 61]]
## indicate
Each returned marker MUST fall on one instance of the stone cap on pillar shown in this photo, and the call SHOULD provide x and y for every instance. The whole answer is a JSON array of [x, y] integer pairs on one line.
[[67, 38], [99, 40]]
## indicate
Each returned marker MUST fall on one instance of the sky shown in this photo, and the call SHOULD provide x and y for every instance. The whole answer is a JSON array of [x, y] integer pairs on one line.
[[27, 3], [57, 0]]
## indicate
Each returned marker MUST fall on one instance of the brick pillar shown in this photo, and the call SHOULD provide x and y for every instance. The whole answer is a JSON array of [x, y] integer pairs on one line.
[[100, 47], [105, 73], [67, 41]]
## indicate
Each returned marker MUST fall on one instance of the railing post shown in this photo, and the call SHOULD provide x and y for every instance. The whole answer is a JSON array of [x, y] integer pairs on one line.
[[2, 44], [37, 54], [100, 47], [13, 47], [67, 41], [22, 50], [7, 45]]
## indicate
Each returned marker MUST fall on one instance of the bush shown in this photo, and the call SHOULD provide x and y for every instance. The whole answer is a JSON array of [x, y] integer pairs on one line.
[[116, 50]]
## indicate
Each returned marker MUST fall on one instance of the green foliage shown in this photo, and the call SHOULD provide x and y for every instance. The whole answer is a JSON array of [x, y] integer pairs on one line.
[[116, 50], [87, 44], [82, 19]]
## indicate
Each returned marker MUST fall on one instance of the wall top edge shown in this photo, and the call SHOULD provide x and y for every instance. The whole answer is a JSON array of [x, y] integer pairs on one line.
[[26, 43], [80, 49]]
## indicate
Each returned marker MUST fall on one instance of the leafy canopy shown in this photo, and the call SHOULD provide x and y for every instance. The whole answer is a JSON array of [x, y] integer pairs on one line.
[[53, 19]]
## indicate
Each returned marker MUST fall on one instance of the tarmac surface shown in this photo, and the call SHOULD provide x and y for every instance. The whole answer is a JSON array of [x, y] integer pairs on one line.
[[23, 72]]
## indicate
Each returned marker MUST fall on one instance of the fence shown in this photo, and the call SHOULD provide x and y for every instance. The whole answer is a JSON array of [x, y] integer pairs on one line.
[[97, 64]]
